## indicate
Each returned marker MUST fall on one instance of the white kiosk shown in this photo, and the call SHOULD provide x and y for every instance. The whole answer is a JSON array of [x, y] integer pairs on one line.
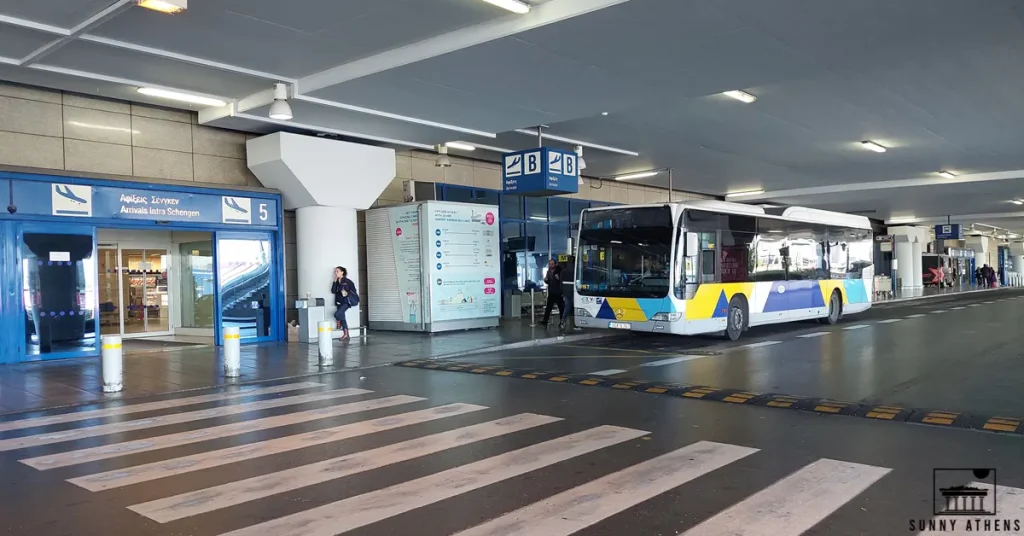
[[433, 266]]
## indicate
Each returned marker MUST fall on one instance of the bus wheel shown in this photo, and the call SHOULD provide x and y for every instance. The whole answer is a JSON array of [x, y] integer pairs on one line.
[[736, 322], [835, 309]]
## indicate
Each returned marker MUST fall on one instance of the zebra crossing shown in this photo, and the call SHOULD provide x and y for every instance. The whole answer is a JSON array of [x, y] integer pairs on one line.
[[788, 507]]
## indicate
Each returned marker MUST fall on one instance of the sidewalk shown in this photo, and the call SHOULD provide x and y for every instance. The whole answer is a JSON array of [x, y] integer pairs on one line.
[[905, 295], [38, 385]]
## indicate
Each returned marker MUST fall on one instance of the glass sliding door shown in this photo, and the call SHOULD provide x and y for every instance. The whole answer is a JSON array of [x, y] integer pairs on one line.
[[109, 290], [144, 288], [197, 284], [246, 279], [58, 287]]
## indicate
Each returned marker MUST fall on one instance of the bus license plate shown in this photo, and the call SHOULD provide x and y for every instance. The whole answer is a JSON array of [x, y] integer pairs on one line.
[[620, 325]]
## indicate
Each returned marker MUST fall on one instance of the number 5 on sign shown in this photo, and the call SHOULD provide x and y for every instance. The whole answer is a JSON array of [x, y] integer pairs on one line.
[[263, 212]]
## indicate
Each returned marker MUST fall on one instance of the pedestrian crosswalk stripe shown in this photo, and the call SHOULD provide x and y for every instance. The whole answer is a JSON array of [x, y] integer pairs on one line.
[[151, 406], [361, 510], [1009, 503], [609, 372], [586, 505], [144, 445], [794, 504], [175, 418], [207, 460], [242, 491], [672, 360]]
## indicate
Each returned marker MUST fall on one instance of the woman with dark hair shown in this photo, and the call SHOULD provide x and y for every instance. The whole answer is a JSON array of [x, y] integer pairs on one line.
[[345, 296]]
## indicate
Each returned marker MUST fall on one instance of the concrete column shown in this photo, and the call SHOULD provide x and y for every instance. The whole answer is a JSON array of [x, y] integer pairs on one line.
[[918, 265], [326, 237], [326, 182], [904, 263]]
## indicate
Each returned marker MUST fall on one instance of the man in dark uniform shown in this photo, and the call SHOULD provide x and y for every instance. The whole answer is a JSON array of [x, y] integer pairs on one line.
[[553, 280]]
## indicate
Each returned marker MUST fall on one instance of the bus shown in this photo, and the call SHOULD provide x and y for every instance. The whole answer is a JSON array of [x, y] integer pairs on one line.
[[707, 266]]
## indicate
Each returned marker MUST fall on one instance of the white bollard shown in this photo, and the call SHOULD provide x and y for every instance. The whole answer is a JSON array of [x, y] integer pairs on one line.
[[232, 352], [325, 343], [112, 363]]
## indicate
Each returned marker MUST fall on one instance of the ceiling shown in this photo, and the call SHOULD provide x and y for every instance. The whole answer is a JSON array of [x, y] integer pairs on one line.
[[938, 82]]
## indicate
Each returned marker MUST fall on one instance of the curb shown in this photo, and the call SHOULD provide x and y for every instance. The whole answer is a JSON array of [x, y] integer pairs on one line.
[[931, 417], [901, 301]]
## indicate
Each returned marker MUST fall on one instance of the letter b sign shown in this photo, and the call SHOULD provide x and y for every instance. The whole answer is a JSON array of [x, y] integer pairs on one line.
[[531, 163], [570, 165]]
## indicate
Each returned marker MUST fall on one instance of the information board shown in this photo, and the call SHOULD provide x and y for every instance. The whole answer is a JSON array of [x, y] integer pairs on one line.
[[464, 260], [405, 242], [141, 203]]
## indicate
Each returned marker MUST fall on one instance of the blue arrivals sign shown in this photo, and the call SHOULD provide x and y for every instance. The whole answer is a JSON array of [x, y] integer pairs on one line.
[[108, 202], [540, 172], [949, 232]]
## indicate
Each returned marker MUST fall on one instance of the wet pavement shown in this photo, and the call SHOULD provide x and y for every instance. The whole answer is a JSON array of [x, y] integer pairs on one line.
[[961, 354], [409, 451], [436, 453], [37, 385]]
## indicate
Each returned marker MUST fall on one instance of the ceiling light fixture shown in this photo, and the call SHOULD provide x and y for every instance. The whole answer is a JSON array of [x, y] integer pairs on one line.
[[581, 164], [741, 96], [872, 146], [515, 6], [947, 175], [604, 113], [460, 146], [1017, 202], [442, 157], [281, 110], [178, 96], [170, 7], [641, 175], [746, 193]]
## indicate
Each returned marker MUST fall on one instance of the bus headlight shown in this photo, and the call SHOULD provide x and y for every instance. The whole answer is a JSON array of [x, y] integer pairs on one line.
[[583, 313], [666, 317]]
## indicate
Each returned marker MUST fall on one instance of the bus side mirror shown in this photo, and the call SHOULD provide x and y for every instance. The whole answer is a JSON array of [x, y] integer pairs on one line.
[[692, 245]]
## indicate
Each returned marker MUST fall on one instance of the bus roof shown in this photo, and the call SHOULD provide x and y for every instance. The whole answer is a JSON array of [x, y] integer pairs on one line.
[[804, 214]]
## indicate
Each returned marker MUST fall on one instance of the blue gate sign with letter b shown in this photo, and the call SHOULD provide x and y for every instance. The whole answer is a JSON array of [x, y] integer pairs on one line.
[[540, 172]]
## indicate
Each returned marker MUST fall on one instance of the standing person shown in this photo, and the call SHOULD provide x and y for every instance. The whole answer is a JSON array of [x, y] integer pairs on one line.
[[553, 280], [345, 296]]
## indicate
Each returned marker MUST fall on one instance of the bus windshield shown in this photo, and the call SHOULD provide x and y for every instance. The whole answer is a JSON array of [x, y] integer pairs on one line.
[[625, 253]]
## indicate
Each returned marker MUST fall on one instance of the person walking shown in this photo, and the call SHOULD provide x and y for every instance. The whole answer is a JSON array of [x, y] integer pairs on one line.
[[553, 280], [345, 296]]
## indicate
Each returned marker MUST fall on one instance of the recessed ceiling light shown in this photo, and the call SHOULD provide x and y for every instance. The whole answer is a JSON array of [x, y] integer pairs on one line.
[[872, 146], [164, 6], [183, 97], [641, 175], [604, 113], [741, 96], [515, 6], [947, 175], [746, 193], [1017, 202], [460, 146]]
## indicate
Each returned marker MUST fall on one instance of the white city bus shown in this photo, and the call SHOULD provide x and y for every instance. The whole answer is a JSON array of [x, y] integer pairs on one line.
[[718, 267]]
